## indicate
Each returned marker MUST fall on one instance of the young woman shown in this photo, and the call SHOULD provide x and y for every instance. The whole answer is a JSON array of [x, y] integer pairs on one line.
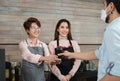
[[34, 52], [65, 71]]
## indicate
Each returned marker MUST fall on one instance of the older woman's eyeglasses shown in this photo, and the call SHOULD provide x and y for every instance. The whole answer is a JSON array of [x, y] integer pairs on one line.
[[35, 28]]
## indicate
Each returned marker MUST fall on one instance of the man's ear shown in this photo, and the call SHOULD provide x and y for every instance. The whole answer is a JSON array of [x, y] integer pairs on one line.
[[112, 7]]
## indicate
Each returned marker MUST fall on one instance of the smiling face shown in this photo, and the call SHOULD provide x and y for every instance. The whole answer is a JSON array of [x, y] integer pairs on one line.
[[34, 31], [63, 29]]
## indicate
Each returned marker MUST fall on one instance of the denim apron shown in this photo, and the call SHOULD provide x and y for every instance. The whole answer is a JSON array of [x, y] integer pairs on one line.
[[31, 71], [66, 65]]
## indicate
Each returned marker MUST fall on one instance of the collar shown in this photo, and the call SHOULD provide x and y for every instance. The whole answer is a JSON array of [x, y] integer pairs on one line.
[[30, 41], [115, 20], [62, 38]]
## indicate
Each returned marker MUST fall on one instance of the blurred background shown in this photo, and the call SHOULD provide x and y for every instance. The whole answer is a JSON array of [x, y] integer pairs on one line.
[[84, 15]]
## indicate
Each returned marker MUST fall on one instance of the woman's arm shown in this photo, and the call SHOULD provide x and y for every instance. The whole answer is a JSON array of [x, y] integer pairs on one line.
[[49, 59], [77, 62], [27, 55], [54, 68], [34, 58]]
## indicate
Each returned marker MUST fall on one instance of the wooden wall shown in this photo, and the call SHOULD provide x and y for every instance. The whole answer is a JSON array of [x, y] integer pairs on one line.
[[84, 15]]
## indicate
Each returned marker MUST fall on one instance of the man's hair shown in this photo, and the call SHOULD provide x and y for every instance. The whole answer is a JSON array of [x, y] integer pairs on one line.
[[116, 3]]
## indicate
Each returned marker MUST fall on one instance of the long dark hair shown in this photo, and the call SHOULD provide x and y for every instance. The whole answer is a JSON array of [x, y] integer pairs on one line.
[[56, 34]]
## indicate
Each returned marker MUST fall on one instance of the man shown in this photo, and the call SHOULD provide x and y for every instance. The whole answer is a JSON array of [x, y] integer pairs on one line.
[[109, 52]]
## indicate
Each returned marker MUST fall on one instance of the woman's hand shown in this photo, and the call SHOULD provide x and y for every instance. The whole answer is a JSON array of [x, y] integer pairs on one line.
[[52, 59], [64, 79], [68, 77]]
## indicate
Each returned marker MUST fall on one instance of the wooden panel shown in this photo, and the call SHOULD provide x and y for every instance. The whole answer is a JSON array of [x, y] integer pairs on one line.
[[83, 15], [12, 52], [85, 48]]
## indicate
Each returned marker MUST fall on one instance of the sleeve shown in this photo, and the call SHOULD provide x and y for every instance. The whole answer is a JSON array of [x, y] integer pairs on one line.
[[27, 55], [98, 51], [54, 68], [114, 51], [77, 62]]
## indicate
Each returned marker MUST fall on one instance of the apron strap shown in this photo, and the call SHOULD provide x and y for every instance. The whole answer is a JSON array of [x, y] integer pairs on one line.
[[42, 45], [57, 42], [43, 49], [70, 42], [27, 42]]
